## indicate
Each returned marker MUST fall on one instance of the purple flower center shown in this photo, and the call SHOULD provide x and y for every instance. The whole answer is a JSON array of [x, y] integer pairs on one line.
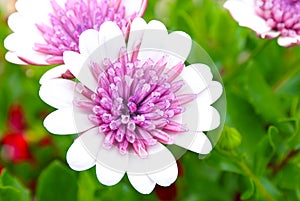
[[66, 24], [135, 103], [281, 15]]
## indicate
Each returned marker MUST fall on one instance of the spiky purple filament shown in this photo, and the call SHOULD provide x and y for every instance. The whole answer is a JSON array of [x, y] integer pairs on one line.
[[281, 15], [135, 103], [66, 24]]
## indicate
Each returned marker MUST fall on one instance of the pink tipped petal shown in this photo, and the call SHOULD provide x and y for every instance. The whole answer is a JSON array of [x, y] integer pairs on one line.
[[13, 58], [53, 73], [194, 141], [63, 121], [108, 176], [58, 93], [141, 183], [166, 176]]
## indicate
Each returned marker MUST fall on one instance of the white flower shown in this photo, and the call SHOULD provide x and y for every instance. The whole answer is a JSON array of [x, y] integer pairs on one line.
[[269, 18], [44, 29], [130, 100]]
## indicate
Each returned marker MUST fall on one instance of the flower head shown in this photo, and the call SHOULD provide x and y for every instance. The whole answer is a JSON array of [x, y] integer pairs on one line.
[[131, 99], [40, 36], [269, 18]]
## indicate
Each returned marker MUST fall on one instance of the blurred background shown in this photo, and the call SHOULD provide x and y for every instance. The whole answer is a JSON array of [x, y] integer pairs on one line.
[[257, 157]]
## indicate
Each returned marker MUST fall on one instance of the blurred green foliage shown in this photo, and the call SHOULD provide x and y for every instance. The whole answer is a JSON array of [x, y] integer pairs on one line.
[[256, 159]]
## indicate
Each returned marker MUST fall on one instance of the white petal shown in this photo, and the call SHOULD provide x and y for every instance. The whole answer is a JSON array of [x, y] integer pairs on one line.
[[142, 183], [243, 11], [179, 45], [80, 68], [111, 40], [108, 176], [58, 93], [23, 46], [137, 29], [159, 158], [166, 176], [13, 58], [88, 42], [79, 155], [270, 34], [64, 121], [210, 94], [41, 14], [288, 41], [20, 23], [197, 77], [112, 159], [10, 42], [53, 73], [209, 118], [194, 141], [154, 41]]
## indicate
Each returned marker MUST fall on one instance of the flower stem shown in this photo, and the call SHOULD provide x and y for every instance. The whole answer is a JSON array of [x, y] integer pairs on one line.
[[257, 182], [284, 161], [248, 173]]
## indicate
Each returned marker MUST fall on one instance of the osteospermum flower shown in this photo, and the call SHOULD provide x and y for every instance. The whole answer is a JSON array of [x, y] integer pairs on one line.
[[41, 33], [269, 18], [132, 99]]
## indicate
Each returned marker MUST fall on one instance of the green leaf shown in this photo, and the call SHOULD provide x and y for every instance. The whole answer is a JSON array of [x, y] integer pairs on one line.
[[8, 193], [263, 154], [264, 101], [87, 179], [271, 188], [249, 191], [58, 183], [12, 188]]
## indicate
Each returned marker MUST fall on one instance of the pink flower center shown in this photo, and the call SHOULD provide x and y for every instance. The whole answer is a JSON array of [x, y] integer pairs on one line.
[[281, 15], [135, 103], [66, 24]]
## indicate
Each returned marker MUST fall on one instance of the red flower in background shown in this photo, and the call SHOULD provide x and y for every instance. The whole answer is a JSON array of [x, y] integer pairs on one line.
[[15, 148], [1, 168], [16, 122]]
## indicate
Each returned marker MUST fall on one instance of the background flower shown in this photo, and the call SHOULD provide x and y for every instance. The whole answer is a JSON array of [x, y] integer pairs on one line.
[[131, 100], [261, 81], [269, 18], [40, 36]]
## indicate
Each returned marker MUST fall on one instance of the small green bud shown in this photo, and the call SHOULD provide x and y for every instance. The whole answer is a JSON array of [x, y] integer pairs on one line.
[[230, 138]]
